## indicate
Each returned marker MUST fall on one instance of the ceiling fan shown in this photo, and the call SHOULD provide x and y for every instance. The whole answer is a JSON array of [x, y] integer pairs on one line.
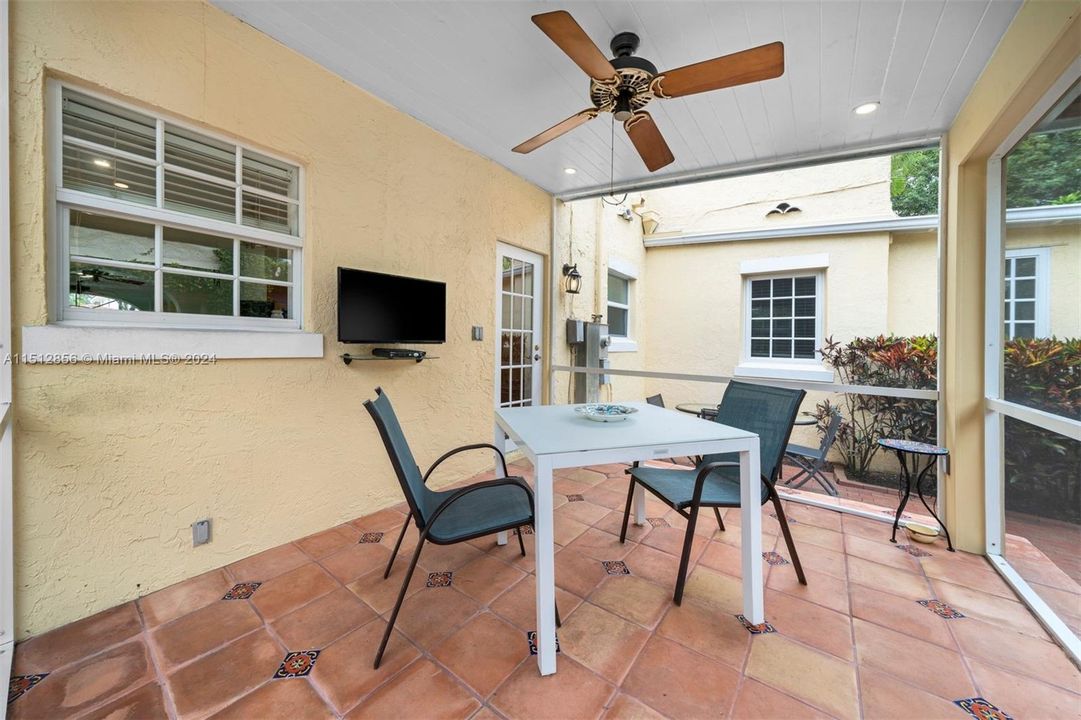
[[626, 83]]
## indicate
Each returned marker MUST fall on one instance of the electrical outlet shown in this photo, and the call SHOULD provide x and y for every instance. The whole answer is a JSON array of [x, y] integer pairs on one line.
[[478, 332], [200, 532]]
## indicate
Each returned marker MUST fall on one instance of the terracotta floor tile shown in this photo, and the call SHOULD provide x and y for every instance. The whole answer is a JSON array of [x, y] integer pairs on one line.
[[901, 614], [290, 590], [54, 649], [940, 671], [1017, 652], [816, 678], [883, 696], [870, 529], [633, 598], [889, 579], [438, 558], [811, 624], [294, 699], [519, 604], [268, 564], [433, 613], [600, 545], [184, 597], [721, 592], [613, 523], [577, 573], [387, 520], [566, 487], [807, 515], [653, 565], [756, 701], [624, 707], [329, 541], [819, 558], [812, 535], [670, 540], [145, 702], [422, 690], [603, 642], [381, 593], [573, 692], [485, 578], [203, 630], [718, 635], [214, 681], [87, 683], [345, 670], [882, 552], [584, 475], [1022, 697], [680, 683], [483, 652], [609, 499], [565, 529], [322, 621], [583, 511], [822, 589], [980, 576], [992, 608], [724, 558], [355, 560]]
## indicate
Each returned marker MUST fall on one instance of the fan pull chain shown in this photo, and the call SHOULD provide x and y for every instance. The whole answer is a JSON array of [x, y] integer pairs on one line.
[[612, 172]]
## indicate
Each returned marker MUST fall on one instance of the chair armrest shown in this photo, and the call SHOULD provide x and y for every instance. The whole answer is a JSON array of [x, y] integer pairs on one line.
[[459, 494], [463, 448]]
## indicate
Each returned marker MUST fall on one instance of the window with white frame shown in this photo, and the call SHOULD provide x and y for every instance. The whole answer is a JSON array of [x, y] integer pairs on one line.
[[783, 317], [161, 224], [620, 295], [1026, 313]]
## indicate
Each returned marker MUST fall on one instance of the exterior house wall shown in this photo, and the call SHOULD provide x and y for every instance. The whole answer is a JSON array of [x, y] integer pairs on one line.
[[113, 463]]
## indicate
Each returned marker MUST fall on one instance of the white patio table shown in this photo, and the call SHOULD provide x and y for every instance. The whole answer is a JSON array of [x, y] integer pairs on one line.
[[554, 436]]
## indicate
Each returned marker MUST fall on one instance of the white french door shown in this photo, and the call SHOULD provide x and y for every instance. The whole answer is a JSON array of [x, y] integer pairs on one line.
[[519, 299]]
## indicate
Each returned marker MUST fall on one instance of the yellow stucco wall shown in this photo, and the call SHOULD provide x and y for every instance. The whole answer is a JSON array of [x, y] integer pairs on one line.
[[114, 462]]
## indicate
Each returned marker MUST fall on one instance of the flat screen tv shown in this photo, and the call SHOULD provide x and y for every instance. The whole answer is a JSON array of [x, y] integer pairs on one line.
[[378, 308]]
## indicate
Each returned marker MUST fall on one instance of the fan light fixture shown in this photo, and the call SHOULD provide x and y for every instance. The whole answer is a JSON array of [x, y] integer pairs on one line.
[[573, 282], [866, 108]]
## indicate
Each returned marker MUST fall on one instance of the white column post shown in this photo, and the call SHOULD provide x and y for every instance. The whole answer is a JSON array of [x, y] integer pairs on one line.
[[544, 548], [750, 496]]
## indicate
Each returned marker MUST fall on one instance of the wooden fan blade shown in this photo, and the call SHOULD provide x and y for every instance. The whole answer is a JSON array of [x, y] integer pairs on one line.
[[565, 32], [556, 130], [760, 63], [648, 141]]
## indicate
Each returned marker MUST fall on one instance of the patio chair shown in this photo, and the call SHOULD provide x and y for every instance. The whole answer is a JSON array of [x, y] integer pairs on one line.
[[714, 482], [657, 400], [449, 516], [812, 461]]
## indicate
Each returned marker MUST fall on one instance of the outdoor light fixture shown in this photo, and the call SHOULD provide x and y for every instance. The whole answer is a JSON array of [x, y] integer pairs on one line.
[[573, 283], [866, 108], [569, 171]]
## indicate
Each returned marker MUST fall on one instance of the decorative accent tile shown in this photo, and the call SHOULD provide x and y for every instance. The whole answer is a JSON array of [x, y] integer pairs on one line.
[[297, 664], [524, 530], [440, 579], [531, 637], [759, 629], [774, 558], [658, 522], [616, 567], [242, 591], [575, 498], [914, 551], [979, 708], [371, 537], [21, 684], [941, 609]]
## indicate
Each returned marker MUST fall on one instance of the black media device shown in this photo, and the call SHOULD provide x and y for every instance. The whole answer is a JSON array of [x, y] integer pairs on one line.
[[395, 354], [379, 308]]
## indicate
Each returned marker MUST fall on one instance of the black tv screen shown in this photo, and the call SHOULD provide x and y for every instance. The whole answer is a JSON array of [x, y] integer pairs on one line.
[[378, 308]]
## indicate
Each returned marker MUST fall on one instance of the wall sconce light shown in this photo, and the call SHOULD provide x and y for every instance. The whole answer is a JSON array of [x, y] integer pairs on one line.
[[573, 282]]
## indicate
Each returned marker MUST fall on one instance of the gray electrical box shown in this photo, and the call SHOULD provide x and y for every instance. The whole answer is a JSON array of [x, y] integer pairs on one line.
[[590, 351], [200, 532]]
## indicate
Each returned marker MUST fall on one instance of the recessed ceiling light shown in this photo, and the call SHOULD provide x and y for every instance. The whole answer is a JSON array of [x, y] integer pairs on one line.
[[866, 108], [569, 171], [122, 186], [101, 163]]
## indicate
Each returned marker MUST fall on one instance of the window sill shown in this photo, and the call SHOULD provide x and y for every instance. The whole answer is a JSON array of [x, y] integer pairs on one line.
[[813, 372], [622, 345], [60, 343]]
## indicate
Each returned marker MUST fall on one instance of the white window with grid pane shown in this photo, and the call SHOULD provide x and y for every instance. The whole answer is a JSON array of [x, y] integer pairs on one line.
[[163, 225], [620, 307], [1026, 313]]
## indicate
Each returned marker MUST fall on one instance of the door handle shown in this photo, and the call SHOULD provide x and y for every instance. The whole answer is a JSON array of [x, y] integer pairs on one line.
[[536, 357]]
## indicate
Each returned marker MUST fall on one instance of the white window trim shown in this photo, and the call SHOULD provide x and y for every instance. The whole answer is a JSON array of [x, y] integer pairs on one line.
[[68, 319], [1043, 286], [783, 368], [629, 272]]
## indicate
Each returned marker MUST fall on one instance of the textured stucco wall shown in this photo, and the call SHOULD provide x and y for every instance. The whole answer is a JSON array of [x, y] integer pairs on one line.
[[114, 462]]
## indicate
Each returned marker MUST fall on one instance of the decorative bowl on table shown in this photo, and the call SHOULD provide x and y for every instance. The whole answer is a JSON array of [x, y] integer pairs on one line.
[[922, 533], [602, 412]]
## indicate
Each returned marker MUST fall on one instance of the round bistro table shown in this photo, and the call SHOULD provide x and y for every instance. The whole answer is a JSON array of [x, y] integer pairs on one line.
[[918, 450]]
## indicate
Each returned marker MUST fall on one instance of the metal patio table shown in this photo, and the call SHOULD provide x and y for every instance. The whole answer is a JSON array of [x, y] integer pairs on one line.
[[555, 437], [917, 450]]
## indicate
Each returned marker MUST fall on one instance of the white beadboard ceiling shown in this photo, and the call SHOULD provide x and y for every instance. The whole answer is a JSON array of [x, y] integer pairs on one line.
[[483, 74]]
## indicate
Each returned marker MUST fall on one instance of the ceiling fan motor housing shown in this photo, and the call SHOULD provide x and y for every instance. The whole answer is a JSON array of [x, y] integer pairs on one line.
[[630, 91]]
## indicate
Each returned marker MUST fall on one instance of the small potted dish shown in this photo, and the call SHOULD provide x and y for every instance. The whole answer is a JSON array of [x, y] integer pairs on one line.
[[606, 413], [921, 533]]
